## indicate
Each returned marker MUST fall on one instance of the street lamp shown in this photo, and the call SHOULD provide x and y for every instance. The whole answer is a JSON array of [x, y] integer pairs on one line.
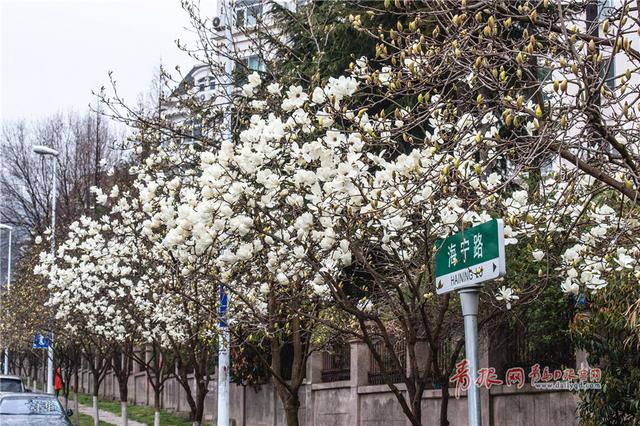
[[6, 349], [46, 151]]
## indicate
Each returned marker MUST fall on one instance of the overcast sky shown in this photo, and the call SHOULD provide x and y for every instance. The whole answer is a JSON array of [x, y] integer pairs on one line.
[[54, 52]]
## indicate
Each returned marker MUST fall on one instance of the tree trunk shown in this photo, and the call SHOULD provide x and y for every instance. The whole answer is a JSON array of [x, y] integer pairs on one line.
[[417, 412], [96, 392], [76, 403], [292, 405], [96, 411], [124, 397], [156, 406], [124, 409], [188, 394], [444, 405], [201, 393]]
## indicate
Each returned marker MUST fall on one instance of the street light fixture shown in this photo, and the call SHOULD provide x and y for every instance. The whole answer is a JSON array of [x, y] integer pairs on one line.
[[46, 151], [6, 349]]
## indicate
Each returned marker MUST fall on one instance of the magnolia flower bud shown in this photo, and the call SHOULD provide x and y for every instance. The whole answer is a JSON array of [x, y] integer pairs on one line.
[[539, 111], [563, 61]]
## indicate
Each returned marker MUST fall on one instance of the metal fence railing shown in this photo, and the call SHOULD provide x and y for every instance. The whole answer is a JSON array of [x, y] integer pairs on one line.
[[336, 363], [380, 374]]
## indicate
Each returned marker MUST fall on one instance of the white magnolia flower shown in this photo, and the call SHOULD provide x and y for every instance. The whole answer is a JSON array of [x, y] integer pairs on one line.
[[506, 294], [318, 95], [247, 90], [274, 88], [625, 261], [342, 87], [254, 79], [586, 277], [538, 255], [569, 286], [296, 97], [492, 180], [335, 138], [102, 199], [520, 197]]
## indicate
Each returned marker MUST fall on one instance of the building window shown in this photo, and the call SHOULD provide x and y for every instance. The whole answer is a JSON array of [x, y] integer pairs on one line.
[[248, 13], [255, 63], [192, 131], [605, 9], [206, 83], [608, 72], [246, 66], [202, 84]]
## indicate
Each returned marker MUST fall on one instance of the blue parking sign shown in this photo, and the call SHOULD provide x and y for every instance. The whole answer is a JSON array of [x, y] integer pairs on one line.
[[40, 341]]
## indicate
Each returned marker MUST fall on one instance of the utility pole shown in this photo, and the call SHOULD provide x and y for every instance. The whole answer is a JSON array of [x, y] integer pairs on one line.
[[224, 340]]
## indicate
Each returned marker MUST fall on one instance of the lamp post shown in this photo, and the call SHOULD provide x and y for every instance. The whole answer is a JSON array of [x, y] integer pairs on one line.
[[6, 349], [46, 151]]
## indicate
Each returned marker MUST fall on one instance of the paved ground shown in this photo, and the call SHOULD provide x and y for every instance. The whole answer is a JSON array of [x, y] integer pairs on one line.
[[105, 416]]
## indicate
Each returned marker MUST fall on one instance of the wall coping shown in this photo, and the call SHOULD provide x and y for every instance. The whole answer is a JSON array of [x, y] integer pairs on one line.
[[496, 390], [339, 384]]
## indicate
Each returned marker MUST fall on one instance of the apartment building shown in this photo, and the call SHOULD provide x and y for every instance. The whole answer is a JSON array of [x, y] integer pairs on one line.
[[204, 83]]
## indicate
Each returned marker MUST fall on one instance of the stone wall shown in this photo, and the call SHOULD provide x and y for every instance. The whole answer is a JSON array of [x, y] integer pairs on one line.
[[355, 402]]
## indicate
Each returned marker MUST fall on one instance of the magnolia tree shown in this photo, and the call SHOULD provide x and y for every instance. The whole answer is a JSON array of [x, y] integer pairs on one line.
[[124, 289], [455, 128], [334, 193], [309, 191], [561, 78]]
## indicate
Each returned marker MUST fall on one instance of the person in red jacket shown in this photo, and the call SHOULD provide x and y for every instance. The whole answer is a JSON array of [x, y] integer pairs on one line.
[[57, 381]]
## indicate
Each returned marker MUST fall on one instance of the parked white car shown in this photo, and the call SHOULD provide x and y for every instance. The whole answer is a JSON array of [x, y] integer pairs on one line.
[[32, 409], [12, 384]]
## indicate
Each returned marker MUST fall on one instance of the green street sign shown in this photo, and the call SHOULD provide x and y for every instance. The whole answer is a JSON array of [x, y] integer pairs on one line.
[[470, 257]]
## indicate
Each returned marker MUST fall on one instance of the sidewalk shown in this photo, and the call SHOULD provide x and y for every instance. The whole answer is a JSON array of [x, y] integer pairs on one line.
[[105, 416]]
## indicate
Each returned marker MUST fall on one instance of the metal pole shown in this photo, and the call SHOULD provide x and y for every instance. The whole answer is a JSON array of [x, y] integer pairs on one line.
[[469, 300], [223, 362], [53, 253], [6, 349], [224, 339], [5, 357]]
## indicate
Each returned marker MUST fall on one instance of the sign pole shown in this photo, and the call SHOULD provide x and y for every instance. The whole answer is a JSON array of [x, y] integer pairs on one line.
[[224, 339], [223, 362], [469, 301], [463, 261]]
